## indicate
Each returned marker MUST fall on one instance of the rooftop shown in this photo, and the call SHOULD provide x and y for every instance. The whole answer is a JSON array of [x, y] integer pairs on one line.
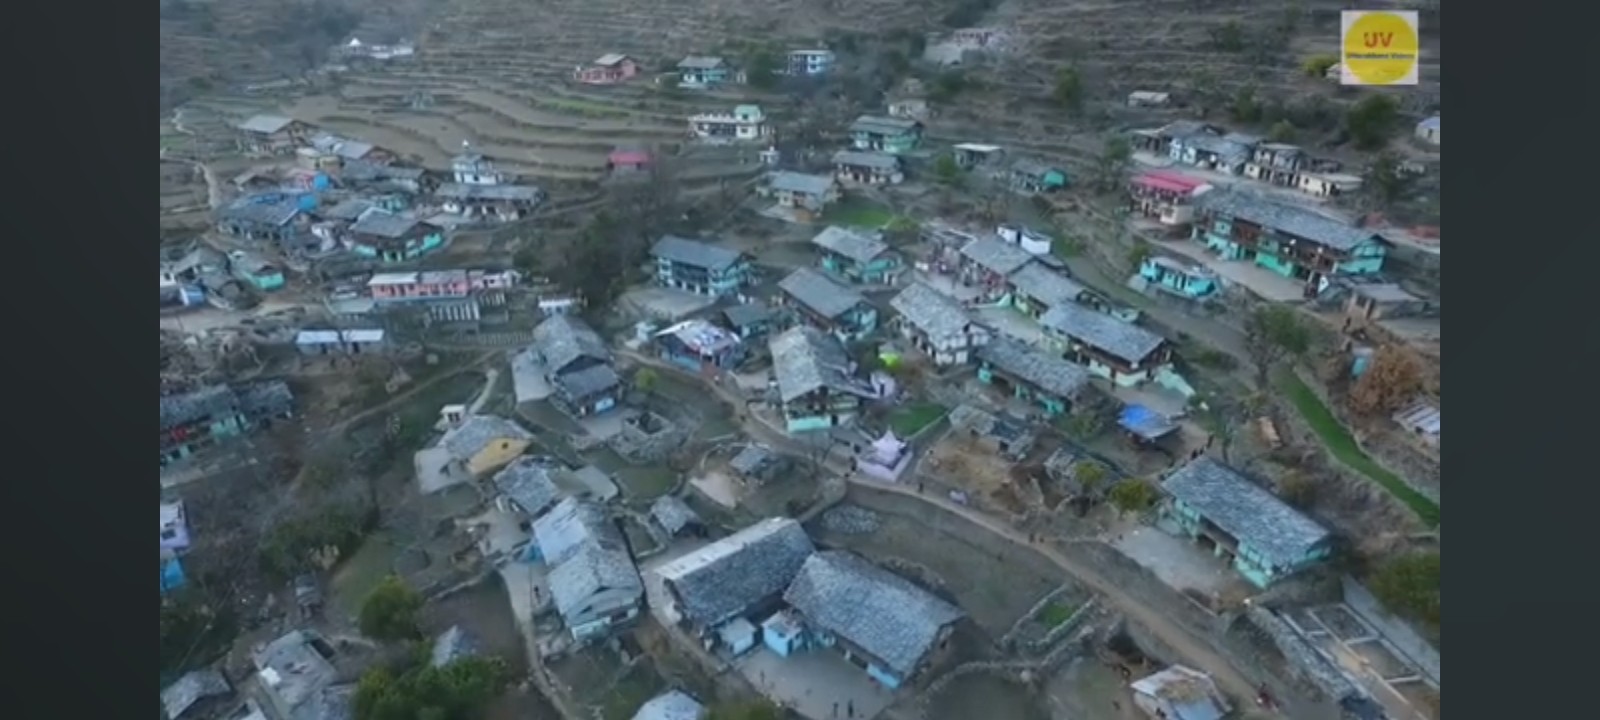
[[673, 514], [1032, 167], [701, 336], [671, 705], [347, 149], [753, 459], [452, 645], [880, 125], [694, 253], [591, 568], [349, 209], [1123, 340], [386, 225], [745, 314], [562, 340], [1169, 181], [335, 337], [1295, 220], [820, 294], [609, 59], [996, 255], [1190, 693], [874, 609], [527, 482], [1047, 371], [723, 579], [859, 246], [805, 359], [265, 124], [505, 193], [570, 525], [700, 62], [207, 402], [367, 171], [586, 383], [192, 688], [980, 148], [931, 312], [292, 668], [272, 210], [856, 158], [477, 432], [1258, 519], [800, 182], [1430, 123], [1046, 285]]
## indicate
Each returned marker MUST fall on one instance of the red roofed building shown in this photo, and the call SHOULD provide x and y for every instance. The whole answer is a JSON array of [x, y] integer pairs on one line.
[[624, 160], [1165, 196]]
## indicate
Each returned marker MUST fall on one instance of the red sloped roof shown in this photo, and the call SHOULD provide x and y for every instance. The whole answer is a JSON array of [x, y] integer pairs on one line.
[[1168, 180], [629, 157]]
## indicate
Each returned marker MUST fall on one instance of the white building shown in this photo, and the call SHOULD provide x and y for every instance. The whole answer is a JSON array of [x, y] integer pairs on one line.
[[746, 123], [936, 325], [1428, 130]]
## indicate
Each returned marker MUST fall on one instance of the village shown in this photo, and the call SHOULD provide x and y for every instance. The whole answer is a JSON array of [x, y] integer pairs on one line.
[[750, 410]]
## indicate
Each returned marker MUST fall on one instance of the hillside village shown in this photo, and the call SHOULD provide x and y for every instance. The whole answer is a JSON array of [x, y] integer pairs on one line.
[[963, 367]]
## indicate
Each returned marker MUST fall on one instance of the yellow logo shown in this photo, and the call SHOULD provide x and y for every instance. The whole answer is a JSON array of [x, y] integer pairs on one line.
[[1379, 48]]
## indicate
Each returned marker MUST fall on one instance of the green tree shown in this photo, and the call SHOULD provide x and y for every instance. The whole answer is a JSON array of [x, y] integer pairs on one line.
[[1385, 183], [1371, 120], [389, 612], [1410, 585], [747, 710], [460, 690], [1138, 254], [1245, 108], [1132, 495], [1282, 131], [761, 69], [1069, 89], [1112, 163], [1317, 66], [1089, 475], [1272, 334], [946, 169]]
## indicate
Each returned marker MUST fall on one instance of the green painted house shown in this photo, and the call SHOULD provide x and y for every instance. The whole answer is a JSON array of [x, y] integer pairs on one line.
[[1288, 239], [1262, 537], [857, 256], [885, 134], [1032, 177], [1031, 374], [813, 380], [392, 238]]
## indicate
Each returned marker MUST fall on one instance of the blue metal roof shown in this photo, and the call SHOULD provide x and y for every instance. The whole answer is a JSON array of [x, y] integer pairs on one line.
[[1144, 422]]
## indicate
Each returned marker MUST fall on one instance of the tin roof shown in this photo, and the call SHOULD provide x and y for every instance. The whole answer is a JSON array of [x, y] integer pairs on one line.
[[695, 253]]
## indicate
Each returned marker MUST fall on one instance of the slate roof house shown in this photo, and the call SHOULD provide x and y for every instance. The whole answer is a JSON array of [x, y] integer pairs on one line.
[[936, 325], [1179, 693], [877, 619], [743, 574], [392, 237], [480, 444], [577, 365], [699, 267], [195, 694], [269, 217], [608, 69], [1035, 289], [1262, 537], [1032, 374], [806, 195], [525, 486], [1290, 240], [816, 384], [885, 134], [826, 305], [857, 256], [197, 419], [593, 582], [674, 516], [1120, 351], [698, 71], [867, 168], [299, 680], [990, 261], [670, 705], [271, 134]]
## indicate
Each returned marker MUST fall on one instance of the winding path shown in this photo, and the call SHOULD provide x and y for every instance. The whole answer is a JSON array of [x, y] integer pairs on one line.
[[1193, 648]]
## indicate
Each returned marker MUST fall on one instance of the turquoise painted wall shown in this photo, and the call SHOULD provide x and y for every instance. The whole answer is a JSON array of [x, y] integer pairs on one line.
[[1189, 285], [1274, 263], [807, 424], [268, 281], [883, 676], [1055, 179]]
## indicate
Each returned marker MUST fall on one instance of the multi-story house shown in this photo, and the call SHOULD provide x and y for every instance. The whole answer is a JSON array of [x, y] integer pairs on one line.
[[745, 124], [577, 365], [1035, 289], [268, 217], [988, 263], [1111, 348], [608, 69], [867, 168], [1290, 240], [817, 386], [810, 63], [200, 418], [1033, 375], [1161, 140], [1262, 537], [826, 305], [1225, 153], [1276, 163], [699, 267], [481, 191], [936, 326], [806, 196], [1171, 276], [390, 237], [885, 134], [593, 582], [1165, 196], [858, 256], [272, 134], [699, 346], [1031, 177], [697, 71]]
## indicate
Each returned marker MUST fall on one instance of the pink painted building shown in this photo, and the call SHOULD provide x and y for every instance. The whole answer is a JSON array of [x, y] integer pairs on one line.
[[432, 285], [609, 69]]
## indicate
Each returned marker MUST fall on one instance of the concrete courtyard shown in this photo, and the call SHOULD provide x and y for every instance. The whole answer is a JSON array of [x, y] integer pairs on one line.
[[818, 684], [665, 303], [1179, 563], [1261, 281]]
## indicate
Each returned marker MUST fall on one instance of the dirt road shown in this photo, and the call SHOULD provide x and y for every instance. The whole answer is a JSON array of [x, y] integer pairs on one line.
[[1193, 648]]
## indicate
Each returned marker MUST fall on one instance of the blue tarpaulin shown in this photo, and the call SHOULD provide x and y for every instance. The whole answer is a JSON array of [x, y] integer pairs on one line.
[[171, 575], [1144, 422]]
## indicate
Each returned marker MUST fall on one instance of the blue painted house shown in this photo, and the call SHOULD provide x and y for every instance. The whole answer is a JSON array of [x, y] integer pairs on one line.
[[817, 387], [875, 618], [1032, 374], [698, 71], [858, 256], [1263, 538], [698, 346], [815, 300], [699, 267], [1290, 240], [389, 237], [1176, 278]]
